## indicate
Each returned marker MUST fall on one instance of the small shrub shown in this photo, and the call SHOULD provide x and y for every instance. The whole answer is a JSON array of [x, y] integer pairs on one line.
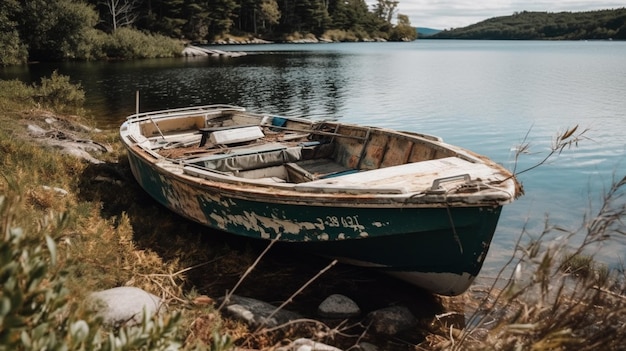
[[342, 35], [294, 36], [126, 43], [583, 266], [14, 94], [57, 91], [92, 47]]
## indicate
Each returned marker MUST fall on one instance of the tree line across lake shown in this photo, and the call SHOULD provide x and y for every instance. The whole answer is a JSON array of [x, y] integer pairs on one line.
[[105, 29], [588, 25]]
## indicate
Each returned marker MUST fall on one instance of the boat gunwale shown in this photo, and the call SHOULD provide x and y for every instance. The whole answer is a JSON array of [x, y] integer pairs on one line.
[[283, 193], [182, 111]]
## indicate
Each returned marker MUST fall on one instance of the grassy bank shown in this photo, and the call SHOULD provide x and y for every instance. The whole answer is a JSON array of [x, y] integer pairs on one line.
[[101, 233], [70, 227]]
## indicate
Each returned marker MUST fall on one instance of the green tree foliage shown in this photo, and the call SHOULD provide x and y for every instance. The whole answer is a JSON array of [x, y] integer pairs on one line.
[[53, 30], [403, 30], [603, 24], [258, 16], [313, 15], [221, 16], [46, 30], [269, 13], [168, 17], [353, 16], [196, 27], [13, 51], [385, 9]]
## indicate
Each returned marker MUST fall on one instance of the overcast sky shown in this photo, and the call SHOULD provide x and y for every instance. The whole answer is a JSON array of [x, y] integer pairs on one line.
[[445, 14]]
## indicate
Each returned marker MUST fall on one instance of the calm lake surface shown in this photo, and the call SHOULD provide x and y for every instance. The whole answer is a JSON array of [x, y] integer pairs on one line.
[[488, 96]]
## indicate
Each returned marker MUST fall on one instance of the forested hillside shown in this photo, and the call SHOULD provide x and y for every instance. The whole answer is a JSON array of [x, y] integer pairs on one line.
[[97, 29], [603, 24]]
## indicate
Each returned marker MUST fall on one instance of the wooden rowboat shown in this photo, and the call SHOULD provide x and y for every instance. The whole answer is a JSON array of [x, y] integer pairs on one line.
[[404, 203]]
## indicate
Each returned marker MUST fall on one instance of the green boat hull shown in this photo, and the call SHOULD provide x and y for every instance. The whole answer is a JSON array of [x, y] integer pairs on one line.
[[438, 248]]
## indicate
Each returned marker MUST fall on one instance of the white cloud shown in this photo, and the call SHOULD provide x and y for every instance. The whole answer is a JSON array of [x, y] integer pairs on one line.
[[444, 14]]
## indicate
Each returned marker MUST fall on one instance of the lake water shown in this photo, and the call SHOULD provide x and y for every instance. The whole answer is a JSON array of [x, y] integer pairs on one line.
[[488, 96]]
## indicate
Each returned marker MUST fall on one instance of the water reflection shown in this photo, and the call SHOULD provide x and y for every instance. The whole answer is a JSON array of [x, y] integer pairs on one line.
[[289, 83], [293, 84]]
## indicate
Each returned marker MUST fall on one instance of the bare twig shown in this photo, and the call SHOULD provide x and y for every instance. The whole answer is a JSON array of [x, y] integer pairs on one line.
[[565, 140], [248, 271], [609, 292], [290, 299]]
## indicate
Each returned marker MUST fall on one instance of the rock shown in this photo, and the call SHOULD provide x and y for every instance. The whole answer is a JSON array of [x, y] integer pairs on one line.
[[89, 129], [260, 41], [35, 130], [192, 51], [256, 313], [304, 344], [66, 142], [391, 320], [199, 51], [79, 153], [338, 306], [110, 180], [124, 305], [311, 40], [59, 191]]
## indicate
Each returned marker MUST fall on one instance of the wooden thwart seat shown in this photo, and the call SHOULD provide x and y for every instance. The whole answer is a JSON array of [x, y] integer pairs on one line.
[[309, 170]]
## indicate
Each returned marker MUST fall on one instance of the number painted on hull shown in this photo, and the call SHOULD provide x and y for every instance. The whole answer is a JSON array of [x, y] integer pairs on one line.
[[351, 222]]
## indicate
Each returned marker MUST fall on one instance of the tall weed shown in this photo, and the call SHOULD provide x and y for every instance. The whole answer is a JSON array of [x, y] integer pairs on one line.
[[555, 295]]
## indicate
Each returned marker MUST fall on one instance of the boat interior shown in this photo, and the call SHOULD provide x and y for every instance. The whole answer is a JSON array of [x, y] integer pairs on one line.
[[254, 146]]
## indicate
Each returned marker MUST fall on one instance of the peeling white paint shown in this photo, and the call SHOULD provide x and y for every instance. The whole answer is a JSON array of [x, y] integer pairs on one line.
[[323, 237], [181, 197], [280, 225], [483, 254], [320, 224], [219, 221], [266, 226]]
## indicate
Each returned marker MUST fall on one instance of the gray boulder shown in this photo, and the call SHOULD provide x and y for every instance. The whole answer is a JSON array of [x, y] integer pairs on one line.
[[257, 313], [338, 306], [391, 320], [124, 305]]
